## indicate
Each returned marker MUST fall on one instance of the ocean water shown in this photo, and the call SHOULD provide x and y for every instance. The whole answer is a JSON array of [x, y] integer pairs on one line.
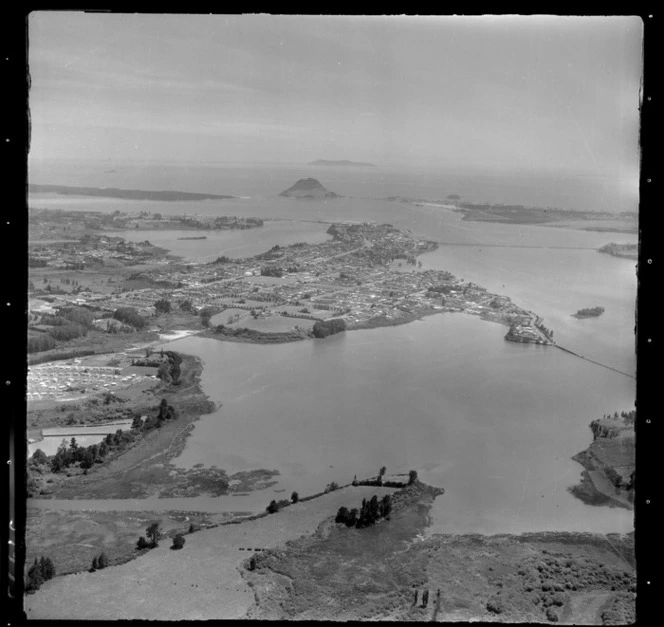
[[565, 190]]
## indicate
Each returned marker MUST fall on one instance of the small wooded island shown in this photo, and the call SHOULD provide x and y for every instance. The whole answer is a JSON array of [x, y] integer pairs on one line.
[[589, 312]]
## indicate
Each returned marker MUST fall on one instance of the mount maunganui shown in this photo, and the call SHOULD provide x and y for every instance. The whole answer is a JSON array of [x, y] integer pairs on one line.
[[308, 188]]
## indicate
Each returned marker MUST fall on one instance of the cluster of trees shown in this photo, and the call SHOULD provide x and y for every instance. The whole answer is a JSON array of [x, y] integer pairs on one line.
[[153, 533], [602, 430], [186, 305], [34, 262], [162, 306], [68, 324], [165, 412], [41, 570], [85, 456], [60, 356], [275, 506], [39, 342], [371, 511], [130, 316], [169, 371], [272, 271], [323, 328], [99, 562], [206, 313]]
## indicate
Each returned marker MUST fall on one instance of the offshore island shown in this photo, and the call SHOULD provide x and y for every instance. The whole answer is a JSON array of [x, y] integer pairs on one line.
[[588, 312]]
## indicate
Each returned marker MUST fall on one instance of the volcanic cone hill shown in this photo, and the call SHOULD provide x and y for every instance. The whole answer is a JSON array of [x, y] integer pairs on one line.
[[308, 188]]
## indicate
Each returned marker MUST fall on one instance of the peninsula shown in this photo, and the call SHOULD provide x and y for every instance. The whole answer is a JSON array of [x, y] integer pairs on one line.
[[624, 222], [343, 163], [308, 188], [356, 280], [609, 462], [627, 251], [127, 194]]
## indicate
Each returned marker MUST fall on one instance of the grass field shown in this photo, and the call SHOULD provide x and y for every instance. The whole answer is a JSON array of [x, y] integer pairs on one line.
[[202, 581]]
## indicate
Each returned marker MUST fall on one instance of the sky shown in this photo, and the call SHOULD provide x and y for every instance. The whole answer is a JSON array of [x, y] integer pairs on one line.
[[508, 93]]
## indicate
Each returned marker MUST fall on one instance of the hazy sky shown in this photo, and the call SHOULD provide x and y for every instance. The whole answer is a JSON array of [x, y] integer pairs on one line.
[[536, 93]]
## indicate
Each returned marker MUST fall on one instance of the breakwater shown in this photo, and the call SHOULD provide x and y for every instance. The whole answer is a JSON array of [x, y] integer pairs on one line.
[[592, 361]]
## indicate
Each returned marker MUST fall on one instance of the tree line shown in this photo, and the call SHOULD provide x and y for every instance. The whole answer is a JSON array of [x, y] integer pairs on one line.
[[370, 512], [323, 328], [87, 456]]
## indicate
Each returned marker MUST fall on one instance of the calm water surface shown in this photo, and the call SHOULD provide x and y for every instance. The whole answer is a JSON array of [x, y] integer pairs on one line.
[[232, 243]]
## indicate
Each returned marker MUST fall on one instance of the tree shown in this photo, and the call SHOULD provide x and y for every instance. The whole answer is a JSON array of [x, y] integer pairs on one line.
[[153, 533], [95, 564], [412, 477], [342, 515], [164, 373], [295, 497], [34, 579], [178, 542], [381, 472], [39, 457], [47, 568], [162, 306], [102, 560], [142, 543], [272, 508]]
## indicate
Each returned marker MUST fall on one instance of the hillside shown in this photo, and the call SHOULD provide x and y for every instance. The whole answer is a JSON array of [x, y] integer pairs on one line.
[[308, 188], [609, 461]]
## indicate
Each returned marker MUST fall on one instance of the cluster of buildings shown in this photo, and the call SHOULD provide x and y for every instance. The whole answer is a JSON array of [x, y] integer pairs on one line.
[[59, 380], [352, 276]]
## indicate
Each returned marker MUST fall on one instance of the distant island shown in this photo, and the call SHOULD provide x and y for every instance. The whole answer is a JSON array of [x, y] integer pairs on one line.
[[343, 162], [197, 237], [128, 194], [589, 312], [308, 188], [627, 251]]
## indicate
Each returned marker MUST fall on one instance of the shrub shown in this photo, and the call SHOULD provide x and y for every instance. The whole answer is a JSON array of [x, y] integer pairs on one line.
[[178, 542], [552, 615], [295, 497], [130, 316], [142, 543]]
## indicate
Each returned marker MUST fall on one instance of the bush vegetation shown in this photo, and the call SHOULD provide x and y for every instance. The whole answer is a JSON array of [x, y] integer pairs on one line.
[[130, 316], [323, 328], [41, 570]]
